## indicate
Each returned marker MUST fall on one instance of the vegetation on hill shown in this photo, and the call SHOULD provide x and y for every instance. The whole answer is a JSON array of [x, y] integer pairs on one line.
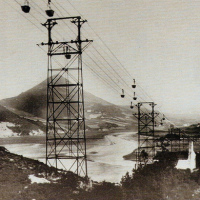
[[32, 105], [33, 102], [193, 129], [21, 125], [162, 181], [158, 181]]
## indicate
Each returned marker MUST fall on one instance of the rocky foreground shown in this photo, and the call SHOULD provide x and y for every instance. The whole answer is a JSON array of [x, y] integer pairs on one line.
[[23, 179]]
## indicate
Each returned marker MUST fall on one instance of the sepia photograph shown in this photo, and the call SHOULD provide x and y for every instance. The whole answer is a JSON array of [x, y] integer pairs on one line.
[[100, 100]]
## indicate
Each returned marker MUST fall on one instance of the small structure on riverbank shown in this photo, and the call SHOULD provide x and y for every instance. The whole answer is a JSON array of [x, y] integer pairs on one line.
[[190, 163]]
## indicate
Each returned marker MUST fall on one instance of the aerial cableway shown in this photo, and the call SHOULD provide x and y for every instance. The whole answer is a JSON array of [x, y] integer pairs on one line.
[[105, 65], [65, 129]]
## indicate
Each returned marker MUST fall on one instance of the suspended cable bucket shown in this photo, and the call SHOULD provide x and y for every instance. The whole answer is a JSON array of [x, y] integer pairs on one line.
[[163, 117], [122, 95], [26, 8], [67, 55], [131, 105], [134, 85], [161, 123], [49, 11], [134, 97]]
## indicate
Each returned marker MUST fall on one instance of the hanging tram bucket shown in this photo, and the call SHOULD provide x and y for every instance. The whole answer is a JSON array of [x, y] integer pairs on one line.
[[50, 13], [163, 117], [133, 86], [134, 98], [25, 8], [68, 56], [131, 105], [122, 95]]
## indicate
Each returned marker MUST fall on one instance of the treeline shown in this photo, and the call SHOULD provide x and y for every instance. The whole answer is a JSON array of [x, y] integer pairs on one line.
[[158, 181]]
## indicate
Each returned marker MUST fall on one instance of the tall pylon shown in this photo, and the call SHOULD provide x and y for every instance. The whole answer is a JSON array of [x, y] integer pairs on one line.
[[65, 123], [146, 141]]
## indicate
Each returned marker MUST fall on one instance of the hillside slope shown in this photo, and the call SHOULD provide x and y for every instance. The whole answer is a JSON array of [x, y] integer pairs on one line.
[[13, 124], [22, 179], [100, 114]]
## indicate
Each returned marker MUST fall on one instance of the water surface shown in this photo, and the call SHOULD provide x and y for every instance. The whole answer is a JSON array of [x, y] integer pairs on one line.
[[105, 156]]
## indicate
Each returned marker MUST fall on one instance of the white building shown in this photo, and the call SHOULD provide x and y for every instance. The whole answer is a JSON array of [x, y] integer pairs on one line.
[[190, 163]]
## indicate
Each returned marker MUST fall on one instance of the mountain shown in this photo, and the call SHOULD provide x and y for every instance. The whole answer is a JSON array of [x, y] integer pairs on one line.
[[100, 115], [183, 120], [12, 124]]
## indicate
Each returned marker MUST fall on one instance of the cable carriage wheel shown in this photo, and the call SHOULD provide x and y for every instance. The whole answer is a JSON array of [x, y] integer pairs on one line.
[[26, 8]]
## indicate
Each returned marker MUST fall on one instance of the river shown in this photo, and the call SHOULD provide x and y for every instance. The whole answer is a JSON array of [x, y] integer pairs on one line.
[[105, 156]]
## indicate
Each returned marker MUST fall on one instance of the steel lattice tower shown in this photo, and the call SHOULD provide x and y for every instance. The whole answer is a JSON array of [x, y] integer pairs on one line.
[[65, 125], [146, 123]]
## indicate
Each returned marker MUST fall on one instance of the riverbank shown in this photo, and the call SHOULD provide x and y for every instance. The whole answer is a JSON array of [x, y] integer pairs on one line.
[[105, 156], [106, 159], [132, 155], [22, 178]]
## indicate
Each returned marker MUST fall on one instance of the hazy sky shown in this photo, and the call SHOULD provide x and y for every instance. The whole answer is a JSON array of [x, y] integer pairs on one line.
[[157, 41]]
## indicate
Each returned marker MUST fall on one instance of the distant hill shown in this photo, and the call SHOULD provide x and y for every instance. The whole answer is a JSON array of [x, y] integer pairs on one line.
[[193, 130], [13, 124], [33, 101], [100, 114]]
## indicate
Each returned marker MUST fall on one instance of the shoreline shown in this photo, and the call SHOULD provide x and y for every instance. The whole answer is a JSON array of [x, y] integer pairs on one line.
[[101, 153]]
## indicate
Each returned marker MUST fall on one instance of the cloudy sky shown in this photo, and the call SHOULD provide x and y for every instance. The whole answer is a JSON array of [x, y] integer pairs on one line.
[[158, 42]]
